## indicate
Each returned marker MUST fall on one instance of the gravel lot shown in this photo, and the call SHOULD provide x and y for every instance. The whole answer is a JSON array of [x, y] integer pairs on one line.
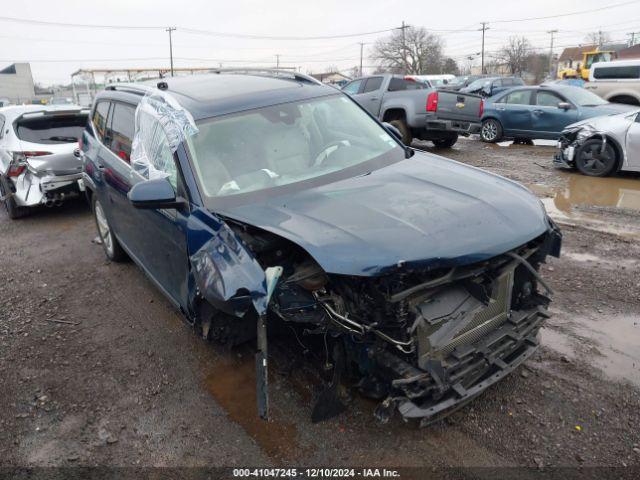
[[98, 369]]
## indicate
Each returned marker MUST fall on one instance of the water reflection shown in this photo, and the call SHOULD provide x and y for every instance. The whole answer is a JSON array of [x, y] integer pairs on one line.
[[590, 191]]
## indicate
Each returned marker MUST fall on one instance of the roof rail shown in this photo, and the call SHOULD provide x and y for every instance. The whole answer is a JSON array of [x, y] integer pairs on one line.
[[128, 87], [275, 72]]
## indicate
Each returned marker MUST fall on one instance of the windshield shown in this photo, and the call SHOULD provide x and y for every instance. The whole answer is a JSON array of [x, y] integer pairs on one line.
[[285, 144], [598, 57], [583, 98]]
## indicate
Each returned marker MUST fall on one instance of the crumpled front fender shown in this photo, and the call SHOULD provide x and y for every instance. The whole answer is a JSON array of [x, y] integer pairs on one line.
[[225, 273]]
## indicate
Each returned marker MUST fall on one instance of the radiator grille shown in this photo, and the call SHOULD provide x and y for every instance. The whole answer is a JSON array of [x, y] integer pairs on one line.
[[489, 317]]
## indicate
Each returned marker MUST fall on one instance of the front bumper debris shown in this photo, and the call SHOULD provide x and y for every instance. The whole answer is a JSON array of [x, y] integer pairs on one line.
[[467, 371]]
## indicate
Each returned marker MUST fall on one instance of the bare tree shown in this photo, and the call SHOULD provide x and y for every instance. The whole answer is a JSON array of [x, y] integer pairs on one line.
[[450, 66], [598, 38], [515, 53], [414, 52]]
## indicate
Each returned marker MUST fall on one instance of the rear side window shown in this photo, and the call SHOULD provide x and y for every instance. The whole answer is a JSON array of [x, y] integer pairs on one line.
[[122, 128], [617, 73], [519, 97], [352, 87], [1, 126], [372, 84], [51, 129], [100, 119], [399, 84]]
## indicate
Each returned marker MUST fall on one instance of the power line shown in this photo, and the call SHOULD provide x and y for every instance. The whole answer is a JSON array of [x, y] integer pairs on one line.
[[616, 5]]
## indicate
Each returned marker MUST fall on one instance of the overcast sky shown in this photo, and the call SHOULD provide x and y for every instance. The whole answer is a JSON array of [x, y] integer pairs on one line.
[[56, 51]]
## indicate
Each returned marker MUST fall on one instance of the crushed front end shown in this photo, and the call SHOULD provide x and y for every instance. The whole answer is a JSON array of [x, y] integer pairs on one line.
[[570, 141], [422, 341]]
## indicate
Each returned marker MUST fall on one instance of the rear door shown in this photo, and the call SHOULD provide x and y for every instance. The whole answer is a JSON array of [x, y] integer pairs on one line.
[[371, 95], [117, 173], [547, 119], [514, 112]]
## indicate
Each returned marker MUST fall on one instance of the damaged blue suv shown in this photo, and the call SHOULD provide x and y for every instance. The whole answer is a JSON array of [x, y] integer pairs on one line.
[[260, 199]]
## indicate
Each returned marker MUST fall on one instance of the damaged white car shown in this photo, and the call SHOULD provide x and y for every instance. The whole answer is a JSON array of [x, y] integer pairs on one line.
[[601, 146], [39, 156]]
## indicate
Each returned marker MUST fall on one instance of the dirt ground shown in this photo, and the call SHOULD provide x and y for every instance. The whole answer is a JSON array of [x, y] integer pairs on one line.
[[98, 369]]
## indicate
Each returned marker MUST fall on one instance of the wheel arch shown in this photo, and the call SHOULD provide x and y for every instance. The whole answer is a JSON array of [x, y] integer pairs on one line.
[[394, 113]]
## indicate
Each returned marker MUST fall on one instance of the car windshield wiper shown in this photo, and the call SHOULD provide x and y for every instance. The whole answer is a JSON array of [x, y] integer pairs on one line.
[[61, 139]]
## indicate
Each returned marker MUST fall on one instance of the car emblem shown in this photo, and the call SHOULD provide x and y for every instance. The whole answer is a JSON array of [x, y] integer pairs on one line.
[[460, 105]]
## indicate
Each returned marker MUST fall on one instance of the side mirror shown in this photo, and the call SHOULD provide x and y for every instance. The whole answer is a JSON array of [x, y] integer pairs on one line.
[[487, 90], [564, 105], [153, 194], [392, 130]]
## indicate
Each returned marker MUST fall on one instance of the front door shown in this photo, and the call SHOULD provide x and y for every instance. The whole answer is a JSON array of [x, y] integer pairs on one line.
[[548, 120], [158, 237], [633, 145]]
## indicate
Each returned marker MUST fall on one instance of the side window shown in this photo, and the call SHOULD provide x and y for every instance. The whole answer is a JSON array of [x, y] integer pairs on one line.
[[372, 84], [617, 73], [519, 97], [398, 84], [496, 83], [353, 87], [122, 128], [547, 99], [1, 126], [100, 119], [154, 154]]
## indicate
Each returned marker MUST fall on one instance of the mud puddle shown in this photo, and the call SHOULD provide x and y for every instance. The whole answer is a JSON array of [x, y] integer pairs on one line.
[[593, 201], [537, 143], [232, 382], [610, 343]]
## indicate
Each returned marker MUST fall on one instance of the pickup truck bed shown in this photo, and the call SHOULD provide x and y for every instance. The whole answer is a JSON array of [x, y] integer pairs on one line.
[[417, 110]]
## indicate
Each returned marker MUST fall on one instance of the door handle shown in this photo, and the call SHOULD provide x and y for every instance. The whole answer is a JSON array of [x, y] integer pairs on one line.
[[538, 112], [374, 99], [100, 166], [500, 109]]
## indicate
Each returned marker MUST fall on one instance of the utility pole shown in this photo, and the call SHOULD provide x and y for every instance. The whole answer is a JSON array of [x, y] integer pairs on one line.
[[552, 32], [171, 29], [361, 49], [277, 61], [599, 39], [484, 28], [404, 46], [632, 40]]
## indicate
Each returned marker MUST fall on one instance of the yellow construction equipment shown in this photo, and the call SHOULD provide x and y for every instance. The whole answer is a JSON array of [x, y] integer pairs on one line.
[[588, 59]]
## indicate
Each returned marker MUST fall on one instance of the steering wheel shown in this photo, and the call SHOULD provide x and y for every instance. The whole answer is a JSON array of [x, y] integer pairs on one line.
[[328, 150]]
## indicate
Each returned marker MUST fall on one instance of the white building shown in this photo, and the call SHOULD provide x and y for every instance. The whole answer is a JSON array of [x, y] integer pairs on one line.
[[16, 83]]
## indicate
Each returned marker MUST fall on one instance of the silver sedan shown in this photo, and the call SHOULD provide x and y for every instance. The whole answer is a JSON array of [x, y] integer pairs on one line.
[[602, 145], [39, 155]]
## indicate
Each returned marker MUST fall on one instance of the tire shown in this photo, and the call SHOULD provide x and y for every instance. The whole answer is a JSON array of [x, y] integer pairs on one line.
[[110, 244], [404, 130], [446, 142], [13, 210], [594, 163], [491, 131]]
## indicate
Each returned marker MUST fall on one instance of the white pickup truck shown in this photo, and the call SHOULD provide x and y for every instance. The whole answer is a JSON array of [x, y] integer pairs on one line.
[[617, 81], [416, 109]]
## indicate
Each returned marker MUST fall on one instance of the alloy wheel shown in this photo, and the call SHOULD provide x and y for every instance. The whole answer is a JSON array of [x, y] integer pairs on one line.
[[489, 131]]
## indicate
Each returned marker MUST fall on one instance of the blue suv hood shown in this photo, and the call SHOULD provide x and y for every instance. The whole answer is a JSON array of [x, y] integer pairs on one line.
[[425, 211]]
